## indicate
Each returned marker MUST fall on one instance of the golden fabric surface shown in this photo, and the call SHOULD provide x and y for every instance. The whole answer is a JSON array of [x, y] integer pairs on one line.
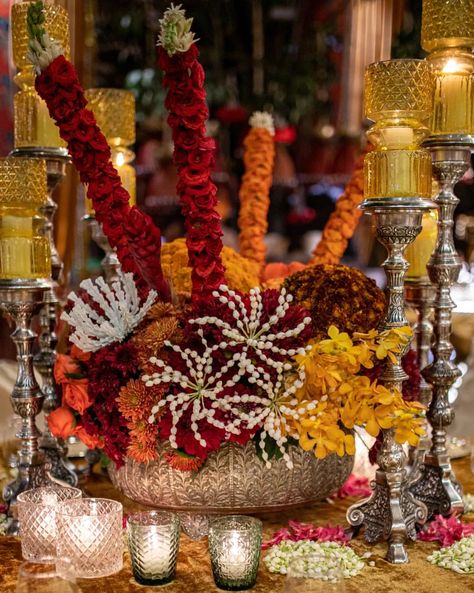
[[194, 571]]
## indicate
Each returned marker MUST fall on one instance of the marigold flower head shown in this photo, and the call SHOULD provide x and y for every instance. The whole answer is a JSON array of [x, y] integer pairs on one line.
[[337, 295], [240, 273]]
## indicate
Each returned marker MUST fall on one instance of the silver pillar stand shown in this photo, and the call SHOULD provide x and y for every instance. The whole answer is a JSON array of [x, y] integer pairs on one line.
[[56, 160], [391, 512], [437, 486], [110, 264], [20, 300], [420, 294]]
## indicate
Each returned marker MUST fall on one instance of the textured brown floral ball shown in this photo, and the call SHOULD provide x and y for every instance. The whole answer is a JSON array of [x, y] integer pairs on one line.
[[338, 295]]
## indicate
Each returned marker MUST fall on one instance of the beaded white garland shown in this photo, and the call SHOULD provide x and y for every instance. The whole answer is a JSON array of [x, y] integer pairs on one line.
[[468, 500], [459, 557], [321, 560]]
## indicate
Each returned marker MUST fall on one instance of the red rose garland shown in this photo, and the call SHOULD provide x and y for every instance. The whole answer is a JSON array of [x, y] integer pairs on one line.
[[130, 231], [194, 158]]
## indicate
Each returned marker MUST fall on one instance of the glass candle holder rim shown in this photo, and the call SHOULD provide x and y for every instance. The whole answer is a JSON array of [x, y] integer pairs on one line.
[[133, 519], [382, 116], [241, 521], [70, 504], [23, 496], [457, 54]]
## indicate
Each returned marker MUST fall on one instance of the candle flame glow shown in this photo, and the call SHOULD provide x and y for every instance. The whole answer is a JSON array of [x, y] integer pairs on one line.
[[451, 66]]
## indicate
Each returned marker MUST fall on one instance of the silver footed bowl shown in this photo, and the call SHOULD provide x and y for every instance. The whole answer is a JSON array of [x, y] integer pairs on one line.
[[233, 480]]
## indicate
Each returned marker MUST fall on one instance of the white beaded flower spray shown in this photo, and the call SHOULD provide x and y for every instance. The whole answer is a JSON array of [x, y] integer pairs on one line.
[[257, 362]]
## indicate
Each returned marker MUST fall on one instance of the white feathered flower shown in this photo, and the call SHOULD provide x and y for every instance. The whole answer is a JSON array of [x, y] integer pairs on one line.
[[262, 119], [175, 31], [122, 312]]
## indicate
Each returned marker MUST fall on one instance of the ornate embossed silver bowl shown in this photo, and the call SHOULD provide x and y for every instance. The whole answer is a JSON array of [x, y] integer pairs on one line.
[[232, 480]]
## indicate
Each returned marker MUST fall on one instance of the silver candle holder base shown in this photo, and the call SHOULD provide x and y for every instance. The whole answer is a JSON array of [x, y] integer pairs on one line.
[[20, 300], [437, 486], [392, 512]]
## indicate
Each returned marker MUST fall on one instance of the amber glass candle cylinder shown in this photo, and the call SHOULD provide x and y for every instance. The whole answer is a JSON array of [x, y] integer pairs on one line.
[[398, 98], [33, 125], [24, 250], [419, 252], [114, 110], [447, 32]]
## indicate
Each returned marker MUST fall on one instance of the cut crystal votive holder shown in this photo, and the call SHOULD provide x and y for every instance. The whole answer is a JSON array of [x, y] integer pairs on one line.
[[234, 547], [89, 541], [37, 510], [153, 541]]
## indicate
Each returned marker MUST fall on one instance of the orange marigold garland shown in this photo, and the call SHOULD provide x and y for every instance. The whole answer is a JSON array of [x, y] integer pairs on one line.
[[343, 221], [259, 157]]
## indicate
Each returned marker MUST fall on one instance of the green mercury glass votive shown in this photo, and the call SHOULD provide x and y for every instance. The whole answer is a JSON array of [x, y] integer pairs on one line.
[[234, 547], [153, 541]]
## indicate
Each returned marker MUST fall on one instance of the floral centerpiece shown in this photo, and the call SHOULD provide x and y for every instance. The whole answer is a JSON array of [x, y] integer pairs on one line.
[[172, 367]]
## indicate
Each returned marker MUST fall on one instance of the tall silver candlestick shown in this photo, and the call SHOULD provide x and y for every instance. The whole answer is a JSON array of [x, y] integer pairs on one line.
[[391, 512], [437, 486], [56, 160], [21, 299]]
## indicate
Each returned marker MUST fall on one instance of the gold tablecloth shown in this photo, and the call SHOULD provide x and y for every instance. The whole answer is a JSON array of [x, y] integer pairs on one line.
[[194, 572]]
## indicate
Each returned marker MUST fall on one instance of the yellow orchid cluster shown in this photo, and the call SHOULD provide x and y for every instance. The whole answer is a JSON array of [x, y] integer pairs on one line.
[[336, 397]]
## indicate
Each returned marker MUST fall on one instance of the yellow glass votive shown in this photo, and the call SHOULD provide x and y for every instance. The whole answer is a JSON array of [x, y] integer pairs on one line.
[[24, 250], [397, 174], [419, 252], [447, 23], [33, 125], [454, 89], [398, 98]]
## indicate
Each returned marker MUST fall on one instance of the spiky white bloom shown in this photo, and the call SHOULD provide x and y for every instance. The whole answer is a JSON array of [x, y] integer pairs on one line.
[[249, 329], [122, 312], [42, 53], [274, 409], [200, 387], [262, 119], [175, 31]]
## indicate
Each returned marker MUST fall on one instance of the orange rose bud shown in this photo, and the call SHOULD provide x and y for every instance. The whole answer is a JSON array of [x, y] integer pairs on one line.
[[91, 442], [61, 422], [65, 365], [79, 354], [76, 396]]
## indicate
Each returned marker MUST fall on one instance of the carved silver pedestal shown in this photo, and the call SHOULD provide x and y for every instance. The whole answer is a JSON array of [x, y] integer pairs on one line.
[[21, 300], [391, 512], [56, 160], [437, 486], [420, 294], [110, 264]]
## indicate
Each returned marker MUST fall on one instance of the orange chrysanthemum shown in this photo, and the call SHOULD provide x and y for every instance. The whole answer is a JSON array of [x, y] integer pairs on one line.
[[343, 221], [135, 401], [150, 338], [183, 462], [259, 157], [141, 449]]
